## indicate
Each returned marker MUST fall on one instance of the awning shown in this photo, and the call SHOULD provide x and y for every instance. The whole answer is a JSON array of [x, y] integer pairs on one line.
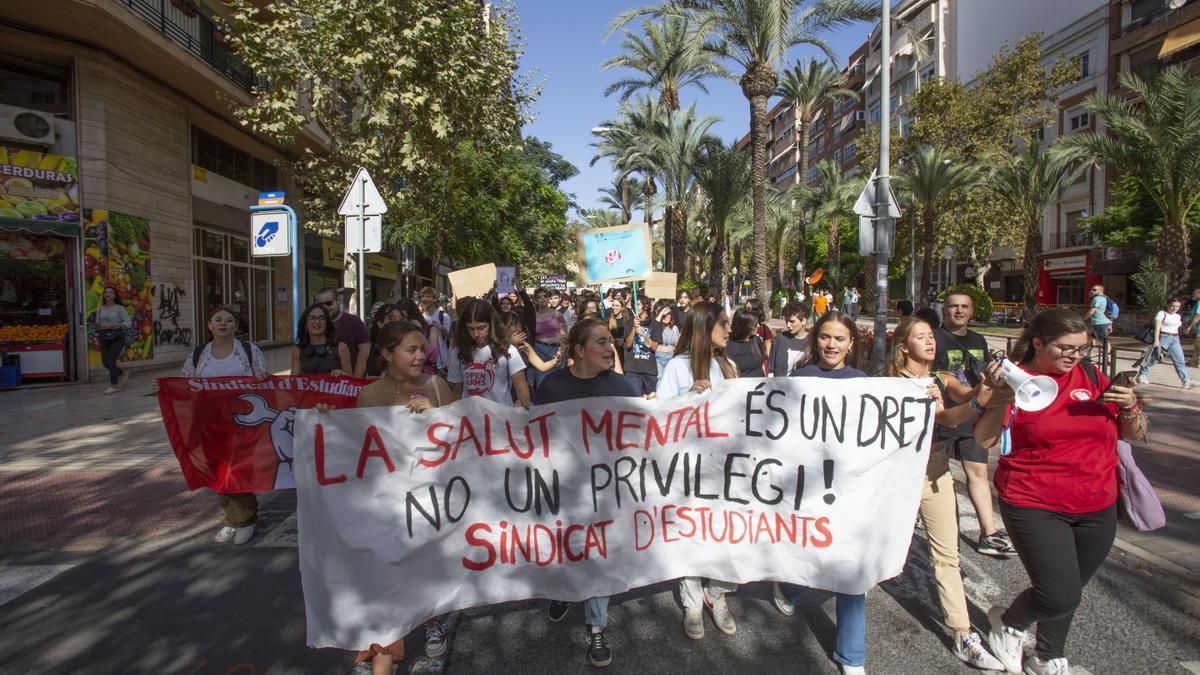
[[1180, 39], [31, 226]]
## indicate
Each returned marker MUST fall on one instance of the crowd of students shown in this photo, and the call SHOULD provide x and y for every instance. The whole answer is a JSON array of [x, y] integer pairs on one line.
[[1056, 480]]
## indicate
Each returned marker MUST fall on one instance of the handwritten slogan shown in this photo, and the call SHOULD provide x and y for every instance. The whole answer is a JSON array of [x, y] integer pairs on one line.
[[404, 517]]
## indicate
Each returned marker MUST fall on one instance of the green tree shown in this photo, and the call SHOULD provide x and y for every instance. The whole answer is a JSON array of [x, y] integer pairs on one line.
[[626, 142], [622, 195], [666, 57], [672, 153], [834, 199], [756, 35], [393, 87], [810, 85], [1155, 139], [723, 175], [931, 178]]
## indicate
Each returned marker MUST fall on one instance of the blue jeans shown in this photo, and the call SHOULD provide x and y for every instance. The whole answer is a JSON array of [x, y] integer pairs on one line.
[[1171, 345], [851, 649], [662, 358], [595, 612]]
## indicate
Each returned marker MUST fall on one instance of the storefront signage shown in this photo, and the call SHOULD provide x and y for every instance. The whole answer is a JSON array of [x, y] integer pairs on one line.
[[37, 185], [1067, 262], [382, 266], [199, 173], [332, 254]]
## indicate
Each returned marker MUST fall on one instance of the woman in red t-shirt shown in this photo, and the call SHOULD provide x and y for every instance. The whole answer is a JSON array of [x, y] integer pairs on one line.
[[1057, 483]]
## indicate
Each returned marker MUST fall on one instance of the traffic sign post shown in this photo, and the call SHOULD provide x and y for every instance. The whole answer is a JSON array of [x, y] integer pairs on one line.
[[363, 201], [275, 231], [883, 194]]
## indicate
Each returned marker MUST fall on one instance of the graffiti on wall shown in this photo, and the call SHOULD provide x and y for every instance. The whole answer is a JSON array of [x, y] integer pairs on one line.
[[167, 330], [117, 254]]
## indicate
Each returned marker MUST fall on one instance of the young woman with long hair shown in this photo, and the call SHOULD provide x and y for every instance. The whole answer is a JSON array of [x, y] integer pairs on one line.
[[914, 349], [746, 348], [372, 366], [589, 375], [700, 361], [641, 367], [482, 362], [1057, 485], [318, 349], [549, 329], [665, 333], [112, 320], [404, 383], [1167, 324]]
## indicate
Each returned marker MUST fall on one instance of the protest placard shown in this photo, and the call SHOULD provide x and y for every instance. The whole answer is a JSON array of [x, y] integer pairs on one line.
[[473, 281], [506, 279], [553, 282], [619, 253], [660, 285], [403, 516]]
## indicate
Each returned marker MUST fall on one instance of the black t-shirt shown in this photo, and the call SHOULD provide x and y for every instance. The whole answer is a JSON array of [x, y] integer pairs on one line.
[[963, 355], [748, 356], [562, 385], [639, 358], [813, 370]]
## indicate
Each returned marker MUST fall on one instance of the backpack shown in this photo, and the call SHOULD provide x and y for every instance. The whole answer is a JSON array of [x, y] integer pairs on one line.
[[200, 348], [1111, 309], [1146, 333]]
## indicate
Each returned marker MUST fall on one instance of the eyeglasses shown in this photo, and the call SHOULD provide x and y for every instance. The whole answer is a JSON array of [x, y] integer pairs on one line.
[[317, 318], [1068, 350]]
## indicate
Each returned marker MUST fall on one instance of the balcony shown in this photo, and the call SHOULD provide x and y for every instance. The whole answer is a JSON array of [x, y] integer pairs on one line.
[[196, 34], [1072, 239]]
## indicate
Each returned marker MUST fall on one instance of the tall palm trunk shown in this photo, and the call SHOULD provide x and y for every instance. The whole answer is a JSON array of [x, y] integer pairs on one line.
[[718, 261], [1032, 266], [626, 209], [835, 251], [801, 179], [678, 217], [926, 257], [1173, 255], [758, 84]]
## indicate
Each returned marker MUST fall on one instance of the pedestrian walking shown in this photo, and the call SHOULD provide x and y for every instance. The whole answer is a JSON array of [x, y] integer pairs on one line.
[[746, 349], [855, 297], [1167, 323], [482, 362], [1057, 483], [318, 349], [641, 365], [700, 361], [913, 354], [404, 383], [846, 301], [112, 321], [820, 303], [1100, 325], [349, 329]]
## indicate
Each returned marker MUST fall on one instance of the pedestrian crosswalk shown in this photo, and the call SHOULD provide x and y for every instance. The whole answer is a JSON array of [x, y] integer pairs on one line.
[[16, 580]]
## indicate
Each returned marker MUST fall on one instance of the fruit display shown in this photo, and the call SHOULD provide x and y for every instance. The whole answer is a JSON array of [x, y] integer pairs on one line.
[[33, 333], [38, 186], [31, 247], [116, 252]]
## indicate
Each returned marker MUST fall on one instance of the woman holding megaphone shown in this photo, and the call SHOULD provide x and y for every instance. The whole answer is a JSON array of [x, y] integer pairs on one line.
[[1057, 479]]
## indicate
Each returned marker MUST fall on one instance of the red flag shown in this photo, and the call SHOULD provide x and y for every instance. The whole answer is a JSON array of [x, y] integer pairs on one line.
[[234, 434]]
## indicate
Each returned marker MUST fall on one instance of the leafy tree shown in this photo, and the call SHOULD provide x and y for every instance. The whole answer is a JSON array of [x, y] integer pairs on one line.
[[1155, 139], [622, 195], [834, 199], [756, 35], [666, 59], [393, 87], [625, 142], [810, 85], [672, 153], [723, 174]]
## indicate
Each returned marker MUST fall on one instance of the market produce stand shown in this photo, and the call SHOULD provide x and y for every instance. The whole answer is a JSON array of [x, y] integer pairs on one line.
[[41, 350]]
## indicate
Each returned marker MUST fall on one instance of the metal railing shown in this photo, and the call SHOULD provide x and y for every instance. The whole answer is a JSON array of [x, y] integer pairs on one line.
[[203, 42], [1055, 240]]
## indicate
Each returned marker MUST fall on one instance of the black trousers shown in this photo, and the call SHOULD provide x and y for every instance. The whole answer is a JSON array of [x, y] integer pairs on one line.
[[1060, 552], [110, 351]]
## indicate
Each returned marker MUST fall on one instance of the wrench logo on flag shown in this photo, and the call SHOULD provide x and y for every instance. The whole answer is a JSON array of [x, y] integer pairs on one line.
[[281, 434]]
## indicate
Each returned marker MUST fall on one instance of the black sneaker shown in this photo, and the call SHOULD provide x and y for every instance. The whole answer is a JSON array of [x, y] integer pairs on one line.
[[557, 609], [996, 544], [599, 653]]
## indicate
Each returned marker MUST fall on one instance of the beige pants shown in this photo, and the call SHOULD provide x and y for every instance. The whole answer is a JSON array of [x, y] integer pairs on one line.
[[939, 512], [240, 509], [694, 592]]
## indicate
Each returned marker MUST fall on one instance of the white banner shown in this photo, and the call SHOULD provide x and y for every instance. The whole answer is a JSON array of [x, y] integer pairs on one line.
[[404, 517]]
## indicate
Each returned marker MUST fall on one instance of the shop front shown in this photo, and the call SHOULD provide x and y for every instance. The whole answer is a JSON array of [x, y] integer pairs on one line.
[[39, 272], [324, 265], [1064, 279], [381, 274]]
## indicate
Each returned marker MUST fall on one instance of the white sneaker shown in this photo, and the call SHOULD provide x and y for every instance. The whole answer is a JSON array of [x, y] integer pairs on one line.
[[1006, 643], [225, 534], [243, 534], [435, 639], [111, 390], [853, 670], [722, 617], [969, 648], [693, 622], [123, 379], [1142, 379], [1190, 384], [782, 604], [1036, 666]]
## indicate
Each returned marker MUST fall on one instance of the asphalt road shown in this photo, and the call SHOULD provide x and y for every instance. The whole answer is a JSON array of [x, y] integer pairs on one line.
[[183, 605]]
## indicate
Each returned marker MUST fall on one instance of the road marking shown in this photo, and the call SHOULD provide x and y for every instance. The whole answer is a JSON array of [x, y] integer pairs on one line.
[[16, 580]]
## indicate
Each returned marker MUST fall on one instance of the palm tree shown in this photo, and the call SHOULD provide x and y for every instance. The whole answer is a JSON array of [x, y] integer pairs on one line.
[[622, 195], [667, 59], [809, 85], [672, 153], [723, 174], [699, 246], [1154, 139], [781, 226], [624, 142], [757, 34], [930, 178], [834, 201], [1026, 181], [602, 217]]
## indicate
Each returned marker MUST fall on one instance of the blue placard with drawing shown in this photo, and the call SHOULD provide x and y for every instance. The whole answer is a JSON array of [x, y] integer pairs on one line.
[[614, 253]]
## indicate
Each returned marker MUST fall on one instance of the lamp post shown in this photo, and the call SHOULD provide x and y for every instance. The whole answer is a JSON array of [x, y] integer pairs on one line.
[[882, 187]]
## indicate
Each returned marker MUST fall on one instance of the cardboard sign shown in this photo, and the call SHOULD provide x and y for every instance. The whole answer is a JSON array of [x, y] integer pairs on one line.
[[619, 253], [660, 285], [553, 282], [504, 280], [472, 281], [405, 516]]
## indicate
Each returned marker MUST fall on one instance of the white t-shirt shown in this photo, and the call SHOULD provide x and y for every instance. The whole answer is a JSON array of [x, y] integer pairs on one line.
[[1170, 322], [483, 378], [677, 376]]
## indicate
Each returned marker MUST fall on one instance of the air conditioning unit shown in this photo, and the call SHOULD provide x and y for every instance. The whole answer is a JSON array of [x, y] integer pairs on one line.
[[859, 115], [26, 126]]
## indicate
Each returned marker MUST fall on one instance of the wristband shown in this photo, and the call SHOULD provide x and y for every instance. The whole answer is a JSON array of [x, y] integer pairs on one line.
[[974, 403]]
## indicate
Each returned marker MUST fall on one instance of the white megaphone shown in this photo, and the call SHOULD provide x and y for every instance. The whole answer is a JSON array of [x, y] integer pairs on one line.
[[1030, 392]]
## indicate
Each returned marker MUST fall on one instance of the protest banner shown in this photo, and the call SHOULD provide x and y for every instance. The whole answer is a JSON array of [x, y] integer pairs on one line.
[[404, 517], [660, 285], [619, 253], [234, 434], [472, 281], [553, 282]]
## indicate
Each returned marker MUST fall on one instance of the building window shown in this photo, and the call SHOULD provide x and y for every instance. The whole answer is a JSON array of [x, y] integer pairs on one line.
[[837, 155], [875, 114], [927, 74], [210, 152], [1078, 120], [850, 152], [812, 173], [1141, 9], [226, 275], [791, 171], [35, 90], [1082, 61], [821, 143]]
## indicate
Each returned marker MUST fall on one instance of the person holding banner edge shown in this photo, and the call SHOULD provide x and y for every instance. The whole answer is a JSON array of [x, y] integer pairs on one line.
[[590, 375], [698, 362], [404, 383], [1057, 484], [914, 349]]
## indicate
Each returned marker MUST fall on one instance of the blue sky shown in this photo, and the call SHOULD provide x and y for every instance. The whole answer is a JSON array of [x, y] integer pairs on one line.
[[566, 48]]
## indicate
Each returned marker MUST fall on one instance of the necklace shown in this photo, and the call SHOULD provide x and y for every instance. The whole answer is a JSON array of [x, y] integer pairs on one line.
[[398, 383], [912, 374]]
